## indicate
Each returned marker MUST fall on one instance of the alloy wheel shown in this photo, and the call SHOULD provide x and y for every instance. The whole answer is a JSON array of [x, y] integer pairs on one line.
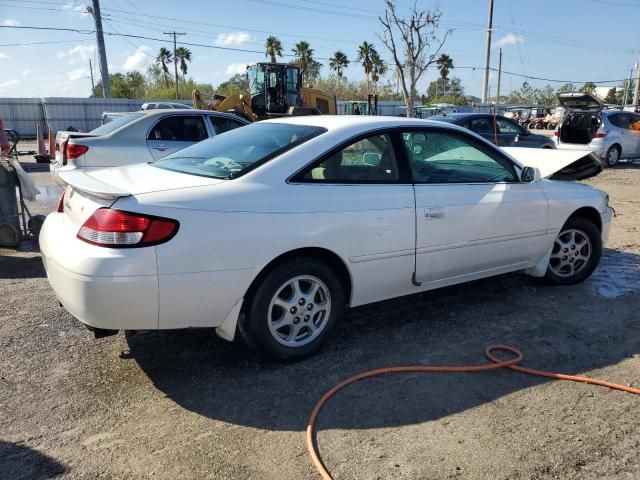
[[299, 311], [571, 253]]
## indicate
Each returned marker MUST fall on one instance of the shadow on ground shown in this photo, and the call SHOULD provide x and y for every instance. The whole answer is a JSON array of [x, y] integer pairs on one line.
[[23, 463], [21, 267], [569, 329]]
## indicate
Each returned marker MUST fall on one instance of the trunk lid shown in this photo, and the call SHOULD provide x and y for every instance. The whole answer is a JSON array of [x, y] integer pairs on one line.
[[136, 179], [62, 141], [558, 164], [580, 102]]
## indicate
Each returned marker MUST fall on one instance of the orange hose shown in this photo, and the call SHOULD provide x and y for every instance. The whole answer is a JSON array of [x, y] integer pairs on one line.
[[496, 363]]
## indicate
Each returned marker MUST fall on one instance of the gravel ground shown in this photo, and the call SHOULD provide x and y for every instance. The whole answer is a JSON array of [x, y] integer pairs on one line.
[[185, 404]]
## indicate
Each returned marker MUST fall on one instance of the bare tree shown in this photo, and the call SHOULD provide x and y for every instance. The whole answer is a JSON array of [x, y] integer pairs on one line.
[[414, 44]]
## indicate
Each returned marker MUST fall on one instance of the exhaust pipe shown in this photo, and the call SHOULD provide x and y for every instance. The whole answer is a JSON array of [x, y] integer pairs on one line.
[[102, 332]]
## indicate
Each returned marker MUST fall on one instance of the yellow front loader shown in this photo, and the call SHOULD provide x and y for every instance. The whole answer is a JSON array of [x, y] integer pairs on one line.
[[275, 90]]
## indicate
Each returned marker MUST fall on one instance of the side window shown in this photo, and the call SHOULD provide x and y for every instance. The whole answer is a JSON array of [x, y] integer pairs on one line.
[[151, 106], [179, 128], [506, 127], [221, 124], [438, 157], [481, 125], [370, 160], [620, 120], [635, 122], [322, 105]]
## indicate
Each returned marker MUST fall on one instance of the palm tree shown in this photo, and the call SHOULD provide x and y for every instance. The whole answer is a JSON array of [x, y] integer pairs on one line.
[[273, 48], [164, 57], [183, 55], [366, 51], [338, 62], [304, 56], [378, 68], [445, 63]]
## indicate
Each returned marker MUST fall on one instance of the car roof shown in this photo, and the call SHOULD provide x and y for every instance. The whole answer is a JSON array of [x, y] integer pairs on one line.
[[341, 122], [185, 111]]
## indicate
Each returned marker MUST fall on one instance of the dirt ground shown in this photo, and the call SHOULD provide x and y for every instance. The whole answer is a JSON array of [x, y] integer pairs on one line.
[[187, 405]]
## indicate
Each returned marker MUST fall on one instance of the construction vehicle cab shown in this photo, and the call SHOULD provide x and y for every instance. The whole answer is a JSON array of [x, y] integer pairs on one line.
[[275, 90]]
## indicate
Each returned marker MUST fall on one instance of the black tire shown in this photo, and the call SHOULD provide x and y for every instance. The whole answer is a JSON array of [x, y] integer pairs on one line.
[[609, 159], [10, 235], [588, 229], [254, 319]]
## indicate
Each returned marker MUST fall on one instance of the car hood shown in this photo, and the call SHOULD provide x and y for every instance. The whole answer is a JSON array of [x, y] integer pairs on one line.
[[579, 101], [558, 164], [131, 180]]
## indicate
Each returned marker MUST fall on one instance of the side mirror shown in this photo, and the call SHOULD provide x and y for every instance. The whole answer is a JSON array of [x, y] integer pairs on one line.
[[530, 174]]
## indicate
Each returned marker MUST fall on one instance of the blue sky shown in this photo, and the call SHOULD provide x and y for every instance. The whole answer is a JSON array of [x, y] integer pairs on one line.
[[577, 40]]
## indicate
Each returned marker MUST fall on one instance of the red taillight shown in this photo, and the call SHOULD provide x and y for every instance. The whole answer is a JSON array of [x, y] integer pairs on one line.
[[601, 133], [556, 133], [60, 208], [118, 229], [75, 150]]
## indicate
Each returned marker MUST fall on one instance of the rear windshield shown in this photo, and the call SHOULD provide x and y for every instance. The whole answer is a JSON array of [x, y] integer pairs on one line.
[[116, 124], [233, 153]]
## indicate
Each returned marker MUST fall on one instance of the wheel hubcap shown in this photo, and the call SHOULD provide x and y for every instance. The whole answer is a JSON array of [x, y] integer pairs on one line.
[[613, 156], [299, 311], [571, 253]]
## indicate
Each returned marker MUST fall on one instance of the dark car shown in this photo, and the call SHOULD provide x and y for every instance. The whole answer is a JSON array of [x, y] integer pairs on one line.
[[497, 129]]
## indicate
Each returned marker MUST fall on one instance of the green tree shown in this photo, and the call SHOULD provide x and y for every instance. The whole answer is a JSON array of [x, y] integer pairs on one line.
[[164, 58], [366, 53], [273, 48], [547, 96], [378, 69], [629, 87], [309, 68], [455, 93], [338, 63], [239, 83], [566, 88], [588, 87], [445, 64], [183, 55], [611, 97]]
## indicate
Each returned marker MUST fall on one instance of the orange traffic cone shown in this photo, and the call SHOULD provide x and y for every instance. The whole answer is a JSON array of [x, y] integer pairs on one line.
[[52, 142], [42, 150]]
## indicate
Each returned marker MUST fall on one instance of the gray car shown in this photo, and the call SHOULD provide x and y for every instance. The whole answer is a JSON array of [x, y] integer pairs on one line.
[[497, 129], [611, 134]]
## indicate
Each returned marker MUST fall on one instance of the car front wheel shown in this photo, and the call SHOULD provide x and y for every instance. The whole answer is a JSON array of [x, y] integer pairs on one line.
[[576, 253], [293, 309]]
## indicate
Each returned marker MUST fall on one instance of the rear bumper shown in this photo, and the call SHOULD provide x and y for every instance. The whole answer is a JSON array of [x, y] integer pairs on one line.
[[598, 149], [97, 285]]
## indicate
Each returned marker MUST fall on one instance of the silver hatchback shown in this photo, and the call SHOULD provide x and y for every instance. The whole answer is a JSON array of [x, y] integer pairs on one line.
[[611, 134]]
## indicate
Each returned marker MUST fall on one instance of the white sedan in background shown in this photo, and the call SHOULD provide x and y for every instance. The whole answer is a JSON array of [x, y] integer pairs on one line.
[[138, 137], [272, 229]]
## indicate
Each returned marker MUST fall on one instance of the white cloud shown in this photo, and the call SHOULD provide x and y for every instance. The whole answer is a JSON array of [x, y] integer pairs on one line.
[[234, 68], [139, 60], [9, 83], [235, 38], [4, 56], [80, 53], [509, 39], [26, 72], [75, 8], [10, 22], [77, 74]]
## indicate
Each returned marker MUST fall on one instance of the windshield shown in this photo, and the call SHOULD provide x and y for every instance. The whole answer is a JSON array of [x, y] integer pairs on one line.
[[233, 153], [116, 124]]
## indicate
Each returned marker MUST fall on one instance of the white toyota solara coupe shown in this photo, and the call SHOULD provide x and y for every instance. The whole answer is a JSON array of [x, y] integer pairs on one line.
[[274, 228]]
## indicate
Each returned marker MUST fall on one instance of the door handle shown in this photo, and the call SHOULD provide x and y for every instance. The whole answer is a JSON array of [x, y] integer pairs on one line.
[[434, 213], [162, 148]]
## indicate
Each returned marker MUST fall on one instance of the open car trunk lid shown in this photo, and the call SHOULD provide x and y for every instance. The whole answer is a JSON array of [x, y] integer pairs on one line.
[[558, 164], [580, 102]]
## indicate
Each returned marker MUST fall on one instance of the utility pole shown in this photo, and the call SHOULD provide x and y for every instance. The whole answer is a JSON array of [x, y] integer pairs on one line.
[[93, 85], [487, 54], [627, 86], [175, 60], [499, 77], [637, 89], [102, 53]]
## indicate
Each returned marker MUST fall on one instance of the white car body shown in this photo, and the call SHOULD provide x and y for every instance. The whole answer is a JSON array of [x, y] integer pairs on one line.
[[392, 239], [134, 142]]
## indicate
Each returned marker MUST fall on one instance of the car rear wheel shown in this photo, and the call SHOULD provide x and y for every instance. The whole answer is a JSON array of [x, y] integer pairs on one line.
[[613, 155], [293, 310], [576, 253]]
